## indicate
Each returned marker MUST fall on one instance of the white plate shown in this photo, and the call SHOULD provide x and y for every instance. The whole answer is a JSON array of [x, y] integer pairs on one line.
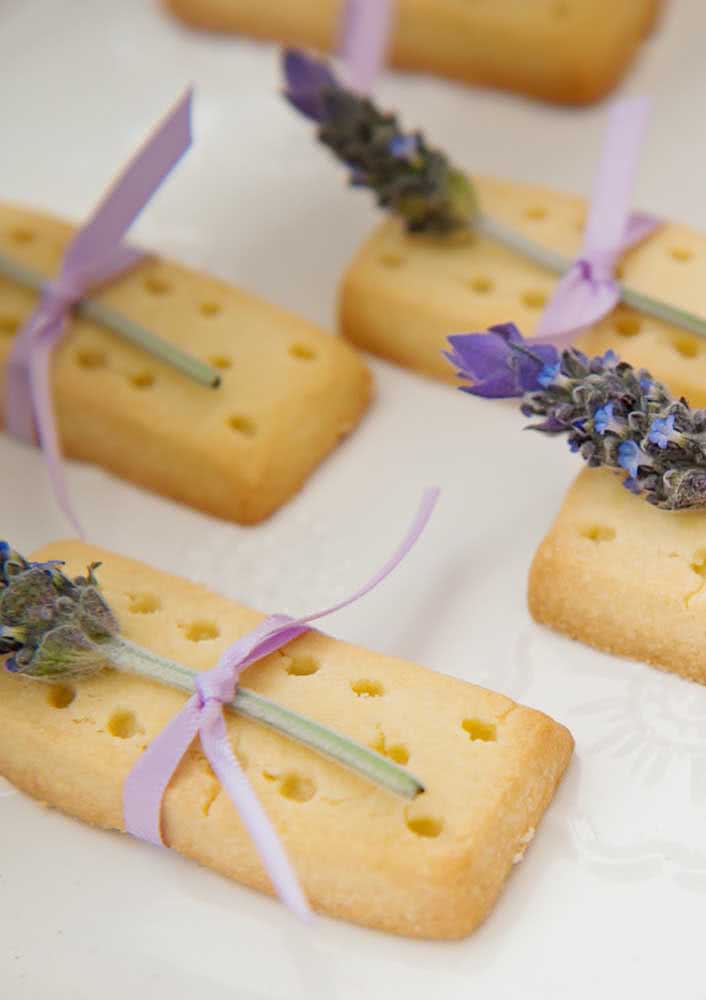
[[610, 898]]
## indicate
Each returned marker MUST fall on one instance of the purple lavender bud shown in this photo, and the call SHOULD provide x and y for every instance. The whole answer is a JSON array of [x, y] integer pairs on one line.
[[499, 363], [307, 81]]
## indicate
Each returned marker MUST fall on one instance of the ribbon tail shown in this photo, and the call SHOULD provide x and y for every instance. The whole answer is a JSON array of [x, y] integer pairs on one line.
[[639, 226], [45, 420], [102, 269], [133, 188], [216, 746], [19, 413], [364, 40], [576, 304], [613, 187], [148, 780]]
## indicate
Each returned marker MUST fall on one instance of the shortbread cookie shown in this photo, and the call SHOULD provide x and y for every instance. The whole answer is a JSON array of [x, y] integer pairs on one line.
[[623, 576], [404, 294], [289, 391], [429, 868], [572, 51]]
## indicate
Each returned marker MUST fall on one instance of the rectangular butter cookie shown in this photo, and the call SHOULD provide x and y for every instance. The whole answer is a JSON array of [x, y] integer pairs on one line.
[[620, 575], [289, 391], [571, 51], [403, 294], [430, 868]]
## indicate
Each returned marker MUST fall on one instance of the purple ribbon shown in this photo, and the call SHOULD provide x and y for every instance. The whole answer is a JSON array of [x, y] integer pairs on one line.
[[203, 715], [366, 27], [588, 291], [94, 256]]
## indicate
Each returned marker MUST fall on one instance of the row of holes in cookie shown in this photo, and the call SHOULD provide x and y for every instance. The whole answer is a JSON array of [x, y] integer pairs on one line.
[[291, 785], [123, 723], [605, 533], [625, 324]]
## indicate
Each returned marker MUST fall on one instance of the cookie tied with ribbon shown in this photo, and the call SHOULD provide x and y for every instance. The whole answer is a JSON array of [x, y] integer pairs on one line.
[[165, 376], [355, 783], [484, 251]]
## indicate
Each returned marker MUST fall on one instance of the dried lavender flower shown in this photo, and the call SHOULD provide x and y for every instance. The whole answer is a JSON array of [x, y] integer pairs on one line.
[[407, 176], [612, 414], [52, 625]]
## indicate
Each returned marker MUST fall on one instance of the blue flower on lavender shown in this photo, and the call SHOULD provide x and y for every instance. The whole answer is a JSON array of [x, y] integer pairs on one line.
[[548, 374], [661, 431], [629, 456], [404, 147], [499, 363], [603, 418], [307, 80]]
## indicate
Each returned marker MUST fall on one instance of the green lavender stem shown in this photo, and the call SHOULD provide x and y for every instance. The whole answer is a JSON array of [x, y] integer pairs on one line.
[[556, 262], [135, 659], [97, 312]]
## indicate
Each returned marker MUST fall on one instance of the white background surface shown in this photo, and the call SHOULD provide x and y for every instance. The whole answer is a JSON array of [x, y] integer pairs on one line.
[[610, 899]]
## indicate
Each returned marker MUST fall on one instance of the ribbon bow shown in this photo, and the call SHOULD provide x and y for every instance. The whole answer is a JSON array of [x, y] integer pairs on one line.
[[365, 31], [203, 715], [588, 291], [95, 255]]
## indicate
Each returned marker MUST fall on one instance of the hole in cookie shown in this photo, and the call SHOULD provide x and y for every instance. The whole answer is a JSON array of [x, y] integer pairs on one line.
[[399, 753], [122, 724], [156, 285], [144, 604], [686, 345], [242, 425], [269, 776], [296, 787], [302, 352], [210, 308], [481, 284], [698, 563], [682, 254], [487, 732], [142, 380], [598, 532], [367, 688], [536, 212], [534, 298], [395, 751], [9, 325], [60, 695], [425, 826], [627, 325], [91, 358], [220, 361], [201, 631], [391, 259], [302, 666], [21, 234]]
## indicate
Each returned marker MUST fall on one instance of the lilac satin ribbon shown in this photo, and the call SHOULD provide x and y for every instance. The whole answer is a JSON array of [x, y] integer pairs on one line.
[[203, 715], [588, 291], [365, 33], [94, 256]]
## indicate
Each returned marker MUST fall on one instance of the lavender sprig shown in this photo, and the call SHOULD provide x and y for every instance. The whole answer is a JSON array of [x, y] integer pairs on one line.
[[612, 414], [53, 628], [407, 176], [418, 183]]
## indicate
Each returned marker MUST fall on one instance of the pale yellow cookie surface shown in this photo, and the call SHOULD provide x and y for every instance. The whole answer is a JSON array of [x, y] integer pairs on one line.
[[403, 295], [618, 574], [289, 391], [572, 51], [429, 868]]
